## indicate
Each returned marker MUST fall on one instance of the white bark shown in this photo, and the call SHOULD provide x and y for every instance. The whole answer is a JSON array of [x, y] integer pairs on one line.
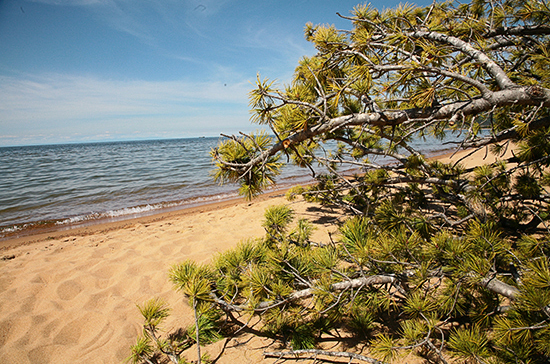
[[305, 293], [315, 352], [519, 95], [501, 288], [494, 70]]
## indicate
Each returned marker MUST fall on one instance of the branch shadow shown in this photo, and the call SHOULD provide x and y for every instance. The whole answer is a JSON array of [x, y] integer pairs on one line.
[[325, 215]]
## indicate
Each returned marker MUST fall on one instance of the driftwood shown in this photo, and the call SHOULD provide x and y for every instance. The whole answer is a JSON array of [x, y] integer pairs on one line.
[[338, 354]]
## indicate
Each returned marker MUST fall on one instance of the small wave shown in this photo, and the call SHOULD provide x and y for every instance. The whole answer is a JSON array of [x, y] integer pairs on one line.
[[15, 230], [145, 209], [11, 229], [114, 215], [127, 211]]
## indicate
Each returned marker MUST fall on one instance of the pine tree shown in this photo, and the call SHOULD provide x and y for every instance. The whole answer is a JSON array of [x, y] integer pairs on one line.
[[435, 259]]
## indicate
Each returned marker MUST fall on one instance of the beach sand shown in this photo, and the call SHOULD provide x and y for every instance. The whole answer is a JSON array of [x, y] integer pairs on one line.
[[70, 296]]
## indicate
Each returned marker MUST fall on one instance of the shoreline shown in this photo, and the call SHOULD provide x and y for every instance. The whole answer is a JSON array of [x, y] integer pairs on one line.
[[26, 229], [53, 230], [90, 227], [70, 295]]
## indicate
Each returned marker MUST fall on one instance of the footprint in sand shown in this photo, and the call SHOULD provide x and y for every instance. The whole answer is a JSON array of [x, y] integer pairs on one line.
[[69, 334], [42, 354], [51, 327], [96, 301], [5, 328], [68, 290], [105, 271], [168, 249]]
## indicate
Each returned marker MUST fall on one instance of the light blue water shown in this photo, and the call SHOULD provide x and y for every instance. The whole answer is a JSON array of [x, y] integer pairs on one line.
[[65, 184]]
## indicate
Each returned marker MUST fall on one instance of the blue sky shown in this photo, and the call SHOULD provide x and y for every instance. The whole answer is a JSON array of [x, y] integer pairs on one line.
[[100, 70]]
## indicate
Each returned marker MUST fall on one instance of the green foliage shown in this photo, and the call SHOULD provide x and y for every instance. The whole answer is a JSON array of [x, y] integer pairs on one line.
[[234, 152], [193, 280], [302, 233], [385, 348], [152, 347], [277, 219], [355, 234], [389, 216], [261, 275], [154, 312], [361, 320], [302, 338], [209, 331], [141, 350], [469, 344], [435, 258], [418, 304], [527, 186]]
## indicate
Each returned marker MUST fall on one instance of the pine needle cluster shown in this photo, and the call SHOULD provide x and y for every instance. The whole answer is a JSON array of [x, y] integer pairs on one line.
[[434, 259]]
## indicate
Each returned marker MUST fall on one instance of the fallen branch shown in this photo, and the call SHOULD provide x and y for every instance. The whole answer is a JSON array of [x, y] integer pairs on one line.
[[490, 283], [504, 289], [339, 286], [337, 354]]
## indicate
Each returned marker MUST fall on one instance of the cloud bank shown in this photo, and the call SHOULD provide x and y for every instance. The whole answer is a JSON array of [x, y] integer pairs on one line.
[[34, 108]]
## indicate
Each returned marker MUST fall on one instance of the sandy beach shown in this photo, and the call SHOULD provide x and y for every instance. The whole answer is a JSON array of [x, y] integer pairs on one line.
[[70, 296]]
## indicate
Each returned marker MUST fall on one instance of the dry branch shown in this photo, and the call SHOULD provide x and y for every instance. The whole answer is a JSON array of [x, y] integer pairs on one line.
[[336, 354]]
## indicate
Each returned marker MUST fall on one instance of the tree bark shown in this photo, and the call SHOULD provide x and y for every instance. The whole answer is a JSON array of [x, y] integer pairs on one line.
[[339, 286], [337, 354]]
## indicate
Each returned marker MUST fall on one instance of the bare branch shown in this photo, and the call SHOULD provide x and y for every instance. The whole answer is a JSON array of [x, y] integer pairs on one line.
[[498, 73], [305, 293], [499, 287], [517, 96], [520, 30], [294, 354]]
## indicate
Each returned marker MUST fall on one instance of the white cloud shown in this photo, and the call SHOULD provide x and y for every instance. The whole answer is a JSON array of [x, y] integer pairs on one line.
[[66, 105], [83, 96]]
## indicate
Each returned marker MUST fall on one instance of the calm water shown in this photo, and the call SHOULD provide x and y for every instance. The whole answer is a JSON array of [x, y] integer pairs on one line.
[[67, 184], [80, 182]]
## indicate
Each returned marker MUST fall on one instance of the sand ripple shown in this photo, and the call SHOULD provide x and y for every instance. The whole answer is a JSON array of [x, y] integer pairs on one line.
[[73, 299]]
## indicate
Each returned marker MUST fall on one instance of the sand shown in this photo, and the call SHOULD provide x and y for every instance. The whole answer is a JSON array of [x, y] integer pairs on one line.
[[70, 296]]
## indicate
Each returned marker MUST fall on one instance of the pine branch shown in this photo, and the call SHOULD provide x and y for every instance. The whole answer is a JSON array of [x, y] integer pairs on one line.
[[499, 287], [517, 95], [294, 354], [495, 70], [520, 30], [305, 293], [507, 134]]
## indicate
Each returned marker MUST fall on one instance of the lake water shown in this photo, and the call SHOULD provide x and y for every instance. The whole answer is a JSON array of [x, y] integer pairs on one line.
[[75, 183]]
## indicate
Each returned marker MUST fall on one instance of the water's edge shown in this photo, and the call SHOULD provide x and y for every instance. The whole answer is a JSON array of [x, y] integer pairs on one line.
[[59, 187]]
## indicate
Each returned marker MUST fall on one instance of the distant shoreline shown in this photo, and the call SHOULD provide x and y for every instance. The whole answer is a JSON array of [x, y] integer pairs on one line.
[[106, 142]]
